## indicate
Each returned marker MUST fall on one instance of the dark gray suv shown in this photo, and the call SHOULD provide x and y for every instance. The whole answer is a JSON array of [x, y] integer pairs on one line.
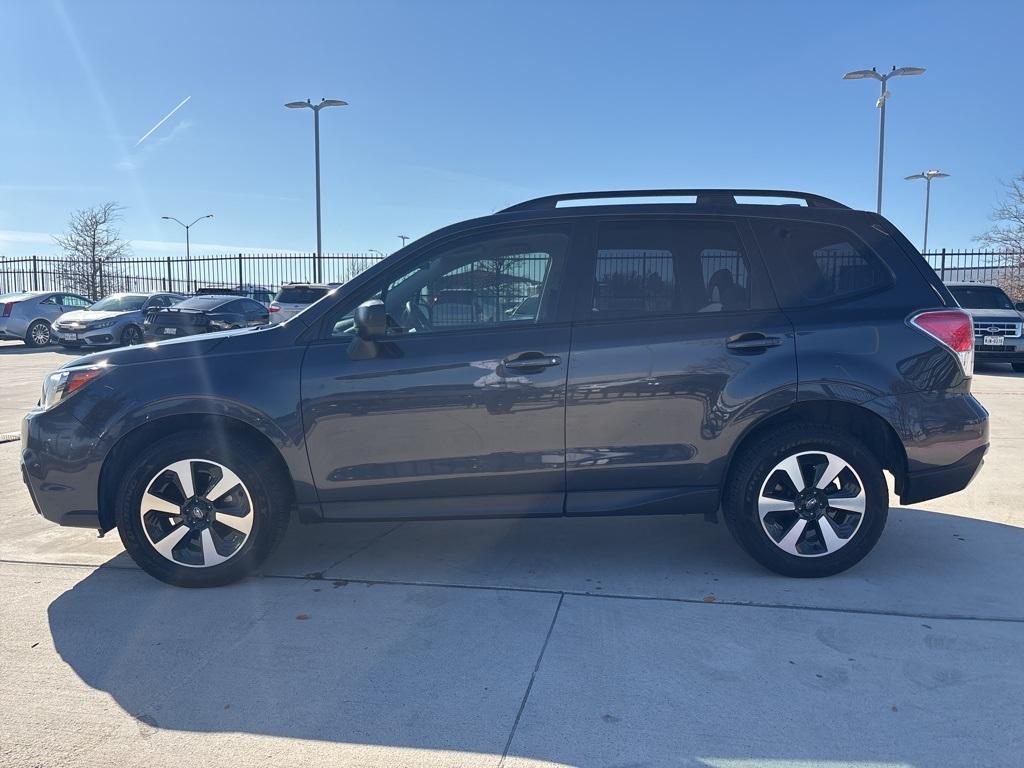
[[703, 355]]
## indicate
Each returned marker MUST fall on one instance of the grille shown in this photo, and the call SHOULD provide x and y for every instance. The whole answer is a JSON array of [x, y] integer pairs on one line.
[[996, 328]]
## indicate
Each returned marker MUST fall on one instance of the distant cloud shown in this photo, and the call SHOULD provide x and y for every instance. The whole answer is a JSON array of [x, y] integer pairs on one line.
[[134, 160]]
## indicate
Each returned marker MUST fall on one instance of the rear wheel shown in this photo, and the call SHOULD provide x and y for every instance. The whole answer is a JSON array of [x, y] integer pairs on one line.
[[200, 515], [38, 334], [807, 500]]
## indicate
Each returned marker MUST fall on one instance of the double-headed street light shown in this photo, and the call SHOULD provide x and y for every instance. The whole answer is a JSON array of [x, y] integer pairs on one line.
[[307, 104], [403, 238], [927, 176], [863, 74], [188, 255]]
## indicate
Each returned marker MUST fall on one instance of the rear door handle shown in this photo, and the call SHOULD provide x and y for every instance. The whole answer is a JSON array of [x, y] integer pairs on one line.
[[751, 342], [530, 360]]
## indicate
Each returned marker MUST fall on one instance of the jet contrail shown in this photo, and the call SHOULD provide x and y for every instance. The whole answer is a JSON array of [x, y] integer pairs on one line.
[[162, 120]]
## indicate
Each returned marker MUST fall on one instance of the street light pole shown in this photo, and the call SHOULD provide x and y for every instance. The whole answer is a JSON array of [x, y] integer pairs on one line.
[[927, 176], [188, 248], [863, 74], [307, 104], [403, 238]]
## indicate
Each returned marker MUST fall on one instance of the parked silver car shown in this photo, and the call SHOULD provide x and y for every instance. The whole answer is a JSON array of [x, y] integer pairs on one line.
[[29, 315], [295, 297], [115, 320]]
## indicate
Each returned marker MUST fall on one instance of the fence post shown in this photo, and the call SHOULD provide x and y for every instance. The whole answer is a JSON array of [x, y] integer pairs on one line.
[[942, 267], [168, 283], [240, 282], [35, 273]]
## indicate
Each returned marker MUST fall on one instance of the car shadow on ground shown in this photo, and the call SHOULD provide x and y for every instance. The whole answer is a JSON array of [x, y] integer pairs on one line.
[[376, 650], [18, 348]]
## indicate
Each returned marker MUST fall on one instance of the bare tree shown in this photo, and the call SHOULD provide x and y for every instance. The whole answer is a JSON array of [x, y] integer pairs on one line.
[[89, 245], [1006, 236]]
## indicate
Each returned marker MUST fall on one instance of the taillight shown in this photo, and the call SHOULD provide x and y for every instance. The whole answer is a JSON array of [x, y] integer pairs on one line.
[[954, 329], [8, 307]]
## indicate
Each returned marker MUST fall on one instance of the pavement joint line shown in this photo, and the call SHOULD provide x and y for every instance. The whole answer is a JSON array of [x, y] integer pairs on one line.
[[577, 593], [361, 549], [533, 676]]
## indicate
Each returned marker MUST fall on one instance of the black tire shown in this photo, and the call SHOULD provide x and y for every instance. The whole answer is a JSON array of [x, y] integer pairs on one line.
[[131, 336], [751, 471], [1018, 367], [266, 485], [38, 334]]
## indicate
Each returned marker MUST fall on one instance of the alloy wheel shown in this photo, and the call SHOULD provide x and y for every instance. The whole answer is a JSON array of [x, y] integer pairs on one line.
[[41, 334], [812, 504], [196, 513], [132, 336]]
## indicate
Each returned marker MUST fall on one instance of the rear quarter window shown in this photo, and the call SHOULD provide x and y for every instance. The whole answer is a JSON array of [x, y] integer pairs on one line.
[[812, 263]]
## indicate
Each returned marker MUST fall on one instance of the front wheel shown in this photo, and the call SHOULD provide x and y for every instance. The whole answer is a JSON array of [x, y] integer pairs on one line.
[[806, 500], [199, 515], [131, 336]]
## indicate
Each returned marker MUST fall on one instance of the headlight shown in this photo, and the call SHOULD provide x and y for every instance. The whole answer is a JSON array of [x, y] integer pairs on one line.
[[100, 324], [60, 384]]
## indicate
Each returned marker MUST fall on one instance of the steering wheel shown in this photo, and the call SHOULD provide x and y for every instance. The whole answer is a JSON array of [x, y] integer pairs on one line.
[[416, 316]]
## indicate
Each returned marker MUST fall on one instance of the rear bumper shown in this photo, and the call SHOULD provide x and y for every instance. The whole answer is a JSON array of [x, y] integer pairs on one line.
[[942, 481]]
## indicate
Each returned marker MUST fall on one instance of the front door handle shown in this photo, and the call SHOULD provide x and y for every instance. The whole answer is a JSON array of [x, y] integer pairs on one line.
[[530, 360], [751, 342]]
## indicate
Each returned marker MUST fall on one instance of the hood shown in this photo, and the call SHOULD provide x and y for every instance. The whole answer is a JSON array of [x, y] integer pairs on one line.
[[176, 349], [85, 316], [1005, 315]]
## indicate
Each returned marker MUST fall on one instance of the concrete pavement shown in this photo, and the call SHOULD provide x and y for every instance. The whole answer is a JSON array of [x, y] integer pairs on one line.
[[646, 641]]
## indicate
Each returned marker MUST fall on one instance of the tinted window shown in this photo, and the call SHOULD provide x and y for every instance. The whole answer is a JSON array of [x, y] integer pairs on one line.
[[815, 263], [119, 302], [980, 297], [300, 294], [652, 267], [204, 302], [478, 282]]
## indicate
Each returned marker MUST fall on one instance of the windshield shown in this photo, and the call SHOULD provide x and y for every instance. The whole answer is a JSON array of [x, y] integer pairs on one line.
[[300, 294], [120, 302], [980, 297]]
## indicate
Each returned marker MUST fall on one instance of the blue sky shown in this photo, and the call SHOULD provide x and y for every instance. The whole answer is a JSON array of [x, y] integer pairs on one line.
[[460, 108]]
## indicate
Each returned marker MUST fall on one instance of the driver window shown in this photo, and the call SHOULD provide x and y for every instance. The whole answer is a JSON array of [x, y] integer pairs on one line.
[[504, 279]]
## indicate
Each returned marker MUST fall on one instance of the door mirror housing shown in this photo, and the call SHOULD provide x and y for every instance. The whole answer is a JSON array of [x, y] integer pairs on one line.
[[371, 319], [371, 322]]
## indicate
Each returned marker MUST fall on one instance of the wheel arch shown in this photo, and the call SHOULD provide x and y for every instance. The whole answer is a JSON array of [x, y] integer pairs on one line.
[[219, 427], [863, 423]]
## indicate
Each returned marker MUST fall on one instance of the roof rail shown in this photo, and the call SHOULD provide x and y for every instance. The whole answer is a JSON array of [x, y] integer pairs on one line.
[[704, 197]]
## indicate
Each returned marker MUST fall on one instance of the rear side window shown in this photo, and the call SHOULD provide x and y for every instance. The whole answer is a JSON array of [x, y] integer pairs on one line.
[[814, 263], [300, 294], [669, 267]]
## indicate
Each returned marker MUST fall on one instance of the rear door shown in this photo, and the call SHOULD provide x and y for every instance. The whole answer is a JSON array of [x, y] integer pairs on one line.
[[460, 410], [678, 346]]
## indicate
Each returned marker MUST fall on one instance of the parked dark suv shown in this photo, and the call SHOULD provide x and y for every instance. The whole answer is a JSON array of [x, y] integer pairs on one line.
[[709, 355]]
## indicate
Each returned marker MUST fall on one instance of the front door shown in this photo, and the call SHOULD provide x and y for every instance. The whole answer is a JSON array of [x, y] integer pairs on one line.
[[460, 409], [678, 347]]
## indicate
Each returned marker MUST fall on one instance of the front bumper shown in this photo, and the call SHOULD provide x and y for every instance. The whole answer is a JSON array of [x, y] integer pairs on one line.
[[1010, 351], [60, 466], [102, 337]]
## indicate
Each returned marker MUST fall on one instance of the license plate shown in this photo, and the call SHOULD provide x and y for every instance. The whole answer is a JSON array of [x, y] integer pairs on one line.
[[992, 341], [170, 331]]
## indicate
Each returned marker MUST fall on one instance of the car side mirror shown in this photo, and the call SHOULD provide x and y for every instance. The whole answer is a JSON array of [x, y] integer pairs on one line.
[[371, 319], [371, 322]]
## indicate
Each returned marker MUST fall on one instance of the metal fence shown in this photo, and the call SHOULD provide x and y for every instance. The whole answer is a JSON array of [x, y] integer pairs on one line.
[[271, 270], [252, 270], [1002, 268]]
